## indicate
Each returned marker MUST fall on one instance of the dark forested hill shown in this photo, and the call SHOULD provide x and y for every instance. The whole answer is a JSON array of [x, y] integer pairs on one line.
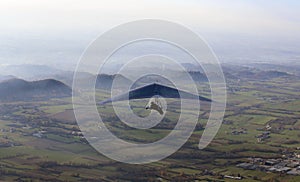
[[21, 90]]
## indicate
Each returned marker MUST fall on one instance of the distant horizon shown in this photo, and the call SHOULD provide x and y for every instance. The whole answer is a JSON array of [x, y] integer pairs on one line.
[[56, 33]]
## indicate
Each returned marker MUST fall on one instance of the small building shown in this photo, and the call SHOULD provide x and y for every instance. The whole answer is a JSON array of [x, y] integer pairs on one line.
[[244, 165], [233, 177], [283, 169], [293, 172], [38, 135], [271, 162]]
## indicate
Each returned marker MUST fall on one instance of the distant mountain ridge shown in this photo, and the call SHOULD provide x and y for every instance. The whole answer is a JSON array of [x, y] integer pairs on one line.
[[29, 71], [262, 75], [6, 77], [21, 90], [104, 81]]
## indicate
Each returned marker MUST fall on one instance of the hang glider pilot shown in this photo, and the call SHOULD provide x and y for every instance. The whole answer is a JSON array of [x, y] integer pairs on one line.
[[155, 104]]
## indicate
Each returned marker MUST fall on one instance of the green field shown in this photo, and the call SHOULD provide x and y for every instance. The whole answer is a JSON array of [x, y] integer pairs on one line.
[[62, 155]]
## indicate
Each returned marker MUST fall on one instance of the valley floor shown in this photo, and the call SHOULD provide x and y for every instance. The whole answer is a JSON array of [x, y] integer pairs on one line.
[[41, 140]]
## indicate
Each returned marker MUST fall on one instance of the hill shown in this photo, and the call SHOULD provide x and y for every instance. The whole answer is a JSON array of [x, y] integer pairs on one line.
[[105, 81], [21, 90], [6, 77]]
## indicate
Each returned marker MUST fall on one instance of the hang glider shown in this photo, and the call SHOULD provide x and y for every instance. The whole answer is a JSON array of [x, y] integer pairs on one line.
[[152, 90]]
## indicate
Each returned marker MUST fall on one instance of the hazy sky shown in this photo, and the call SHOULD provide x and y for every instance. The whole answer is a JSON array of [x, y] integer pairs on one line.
[[57, 31]]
